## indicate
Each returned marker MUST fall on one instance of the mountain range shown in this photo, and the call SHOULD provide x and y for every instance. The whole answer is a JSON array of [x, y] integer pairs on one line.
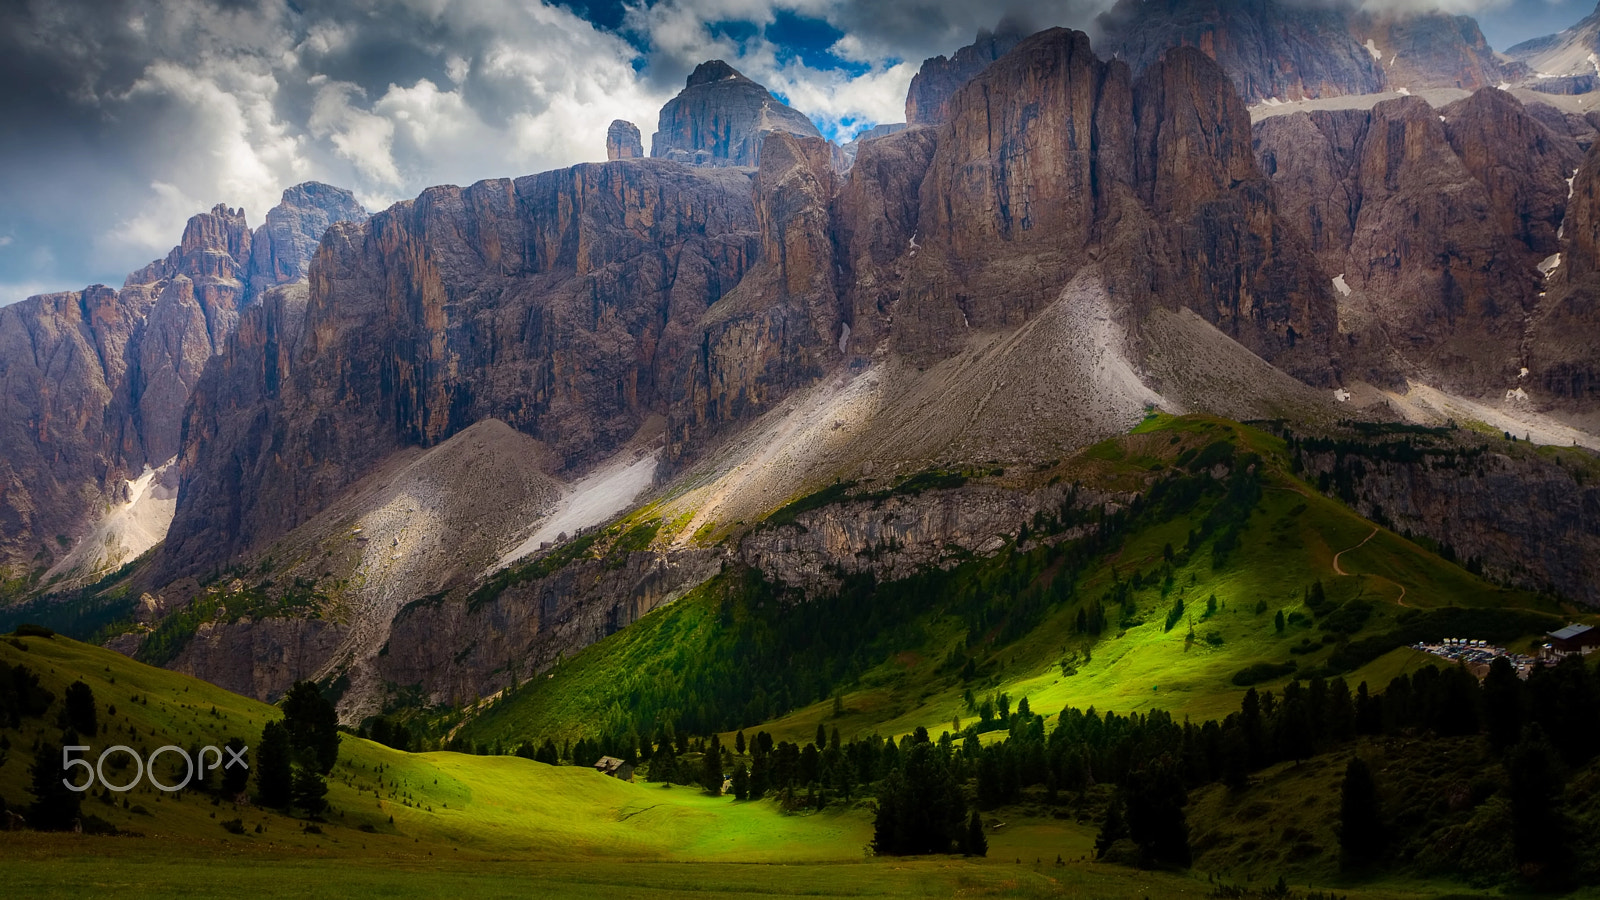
[[431, 451]]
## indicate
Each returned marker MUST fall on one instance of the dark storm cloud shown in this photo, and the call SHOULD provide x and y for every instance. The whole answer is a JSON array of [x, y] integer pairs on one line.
[[124, 117]]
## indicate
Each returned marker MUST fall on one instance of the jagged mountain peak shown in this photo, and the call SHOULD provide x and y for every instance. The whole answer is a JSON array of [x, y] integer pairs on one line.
[[720, 118], [927, 100], [713, 70]]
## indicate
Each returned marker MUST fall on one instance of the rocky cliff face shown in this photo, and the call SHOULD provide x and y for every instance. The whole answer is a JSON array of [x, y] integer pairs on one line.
[[455, 651], [1521, 163], [1564, 334], [1269, 49], [1293, 51], [1435, 247], [784, 323], [561, 304], [622, 141], [1431, 50], [586, 306], [96, 380], [1521, 517], [720, 118], [1052, 158], [928, 100], [574, 304]]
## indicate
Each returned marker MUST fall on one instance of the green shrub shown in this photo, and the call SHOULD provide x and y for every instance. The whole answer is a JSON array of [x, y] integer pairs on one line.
[[1263, 671]]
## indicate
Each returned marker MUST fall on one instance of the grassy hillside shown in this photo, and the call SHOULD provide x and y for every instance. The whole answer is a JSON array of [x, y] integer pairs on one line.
[[490, 825], [448, 801], [1009, 624]]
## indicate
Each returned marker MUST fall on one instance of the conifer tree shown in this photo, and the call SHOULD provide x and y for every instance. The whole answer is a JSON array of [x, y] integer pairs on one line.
[[313, 726], [1155, 798], [1538, 823], [977, 843], [55, 806], [309, 789], [1361, 835], [711, 767], [274, 769], [79, 709], [1502, 704], [1113, 829]]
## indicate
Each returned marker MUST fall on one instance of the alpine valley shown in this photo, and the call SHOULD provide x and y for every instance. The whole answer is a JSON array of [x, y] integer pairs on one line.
[[1167, 464]]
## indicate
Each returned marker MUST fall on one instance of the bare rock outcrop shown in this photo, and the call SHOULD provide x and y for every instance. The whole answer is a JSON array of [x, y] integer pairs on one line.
[[1052, 159], [1522, 164], [720, 118], [622, 141]]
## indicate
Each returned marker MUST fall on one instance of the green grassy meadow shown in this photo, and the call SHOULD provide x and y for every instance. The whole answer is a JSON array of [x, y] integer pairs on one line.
[[492, 826]]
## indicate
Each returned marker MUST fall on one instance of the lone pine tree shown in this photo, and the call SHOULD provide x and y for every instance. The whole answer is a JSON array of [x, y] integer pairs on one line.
[[1361, 833], [274, 769], [55, 806]]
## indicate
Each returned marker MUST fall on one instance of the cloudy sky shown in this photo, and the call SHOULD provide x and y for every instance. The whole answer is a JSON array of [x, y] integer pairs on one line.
[[124, 117]]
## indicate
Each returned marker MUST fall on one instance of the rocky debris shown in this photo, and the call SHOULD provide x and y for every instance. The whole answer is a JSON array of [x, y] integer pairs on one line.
[[282, 247], [622, 141], [1283, 51], [421, 523], [1439, 264], [720, 118], [562, 304], [928, 100]]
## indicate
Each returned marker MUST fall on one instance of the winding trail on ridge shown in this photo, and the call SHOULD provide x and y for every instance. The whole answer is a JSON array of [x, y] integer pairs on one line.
[[1339, 570]]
